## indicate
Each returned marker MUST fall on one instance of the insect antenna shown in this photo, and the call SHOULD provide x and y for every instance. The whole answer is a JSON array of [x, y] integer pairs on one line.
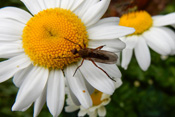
[[74, 42], [101, 69]]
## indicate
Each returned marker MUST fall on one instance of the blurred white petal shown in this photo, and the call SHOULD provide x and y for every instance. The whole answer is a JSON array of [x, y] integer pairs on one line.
[[142, 54]]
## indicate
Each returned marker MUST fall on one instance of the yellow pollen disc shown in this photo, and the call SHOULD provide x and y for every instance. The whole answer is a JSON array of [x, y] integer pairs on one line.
[[96, 97], [44, 38], [140, 20]]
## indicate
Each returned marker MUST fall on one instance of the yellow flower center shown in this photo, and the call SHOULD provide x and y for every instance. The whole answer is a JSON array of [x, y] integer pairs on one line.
[[139, 20], [46, 38], [96, 97]]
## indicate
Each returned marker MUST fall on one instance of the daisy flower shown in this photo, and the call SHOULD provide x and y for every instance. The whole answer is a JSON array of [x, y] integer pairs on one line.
[[100, 100], [150, 32], [39, 54]]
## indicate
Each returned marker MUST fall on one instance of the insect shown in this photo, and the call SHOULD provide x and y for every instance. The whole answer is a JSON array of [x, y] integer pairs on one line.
[[94, 55]]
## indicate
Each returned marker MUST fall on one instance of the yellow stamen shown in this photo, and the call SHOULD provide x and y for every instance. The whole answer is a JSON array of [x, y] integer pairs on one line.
[[44, 38], [139, 20], [96, 97]]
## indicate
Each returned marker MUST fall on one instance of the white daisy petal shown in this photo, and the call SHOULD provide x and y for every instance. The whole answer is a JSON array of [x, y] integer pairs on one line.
[[76, 4], [106, 22], [169, 35], [52, 3], [9, 37], [111, 69], [94, 13], [80, 11], [71, 108], [73, 97], [118, 82], [116, 44], [21, 75], [67, 4], [11, 27], [64, 4], [130, 41], [39, 103], [31, 88], [90, 88], [33, 6], [10, 49], [156, 17], [168, 19], [15, 14], [101, 111], [55, 92], [77, 85], [157, 42], [13, 65], [142, 54], [126, 57], [108, 32], [97, 78], [82, 113]]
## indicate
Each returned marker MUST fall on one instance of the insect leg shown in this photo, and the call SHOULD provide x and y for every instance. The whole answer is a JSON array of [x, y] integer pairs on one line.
[[100, 47], [79, 66], [101, 69]]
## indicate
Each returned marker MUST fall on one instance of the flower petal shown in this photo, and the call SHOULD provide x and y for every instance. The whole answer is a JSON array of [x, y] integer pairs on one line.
[[11, 27], [31, 88], [111, 69], [106, 22], [12, 66], [157, 41], [126, 57], [21, 75], [108, 32], [15, 14], [76, 4], [73, 97], [95, 12], [114, 44], [34, 6], [101, 111], [82, 113], [9, 37], [10, 49], [142, 54], [71, 108], [130, 41], [169, 35], [70, 4], [78, 87], [90, 88], [55, 92], [168, 19], [52, 3], [80, 11], [97, 78], [39, 103]]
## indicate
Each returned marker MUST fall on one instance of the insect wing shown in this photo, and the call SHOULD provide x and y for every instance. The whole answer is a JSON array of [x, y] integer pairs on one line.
[[103, 56]]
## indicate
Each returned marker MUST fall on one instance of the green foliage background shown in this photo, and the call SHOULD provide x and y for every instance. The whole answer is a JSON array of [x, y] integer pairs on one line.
[[143, 94]]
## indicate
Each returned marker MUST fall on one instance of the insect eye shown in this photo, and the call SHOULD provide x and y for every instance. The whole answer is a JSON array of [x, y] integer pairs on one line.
[[74, 51]]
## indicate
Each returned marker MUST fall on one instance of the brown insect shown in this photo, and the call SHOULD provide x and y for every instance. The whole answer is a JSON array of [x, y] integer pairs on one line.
[[94, 55]]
